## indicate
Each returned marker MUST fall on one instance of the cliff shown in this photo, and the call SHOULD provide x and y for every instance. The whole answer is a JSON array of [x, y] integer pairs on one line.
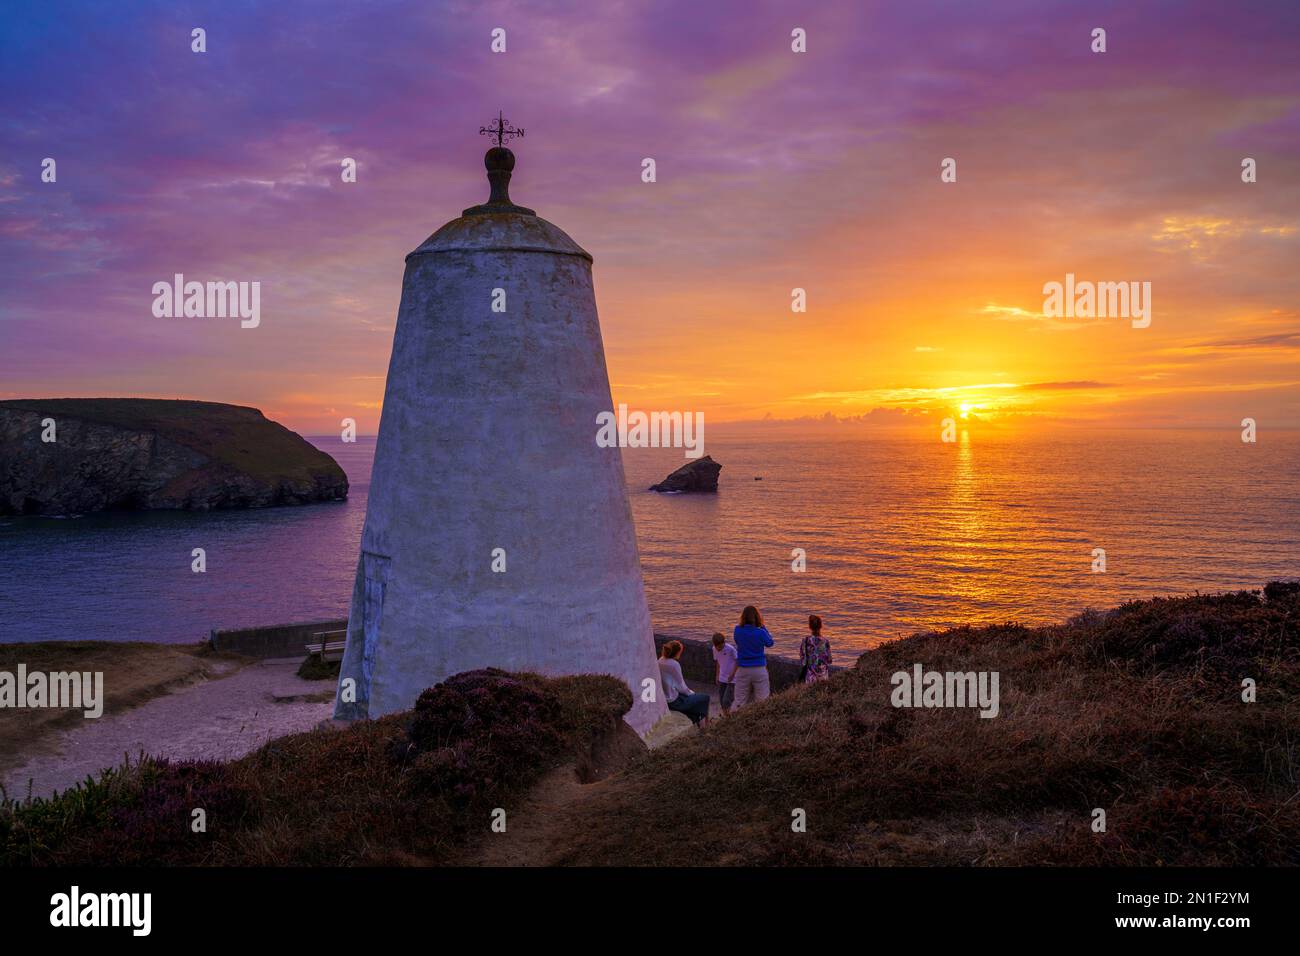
[[141, 454]]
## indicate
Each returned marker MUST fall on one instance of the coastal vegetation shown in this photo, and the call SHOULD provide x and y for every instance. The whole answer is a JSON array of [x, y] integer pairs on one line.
[[314, 667], [408, 788], [1137, 711], [1178, 718]]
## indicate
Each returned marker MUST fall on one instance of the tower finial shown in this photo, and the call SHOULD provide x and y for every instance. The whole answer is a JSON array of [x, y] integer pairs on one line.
[[500, 162]]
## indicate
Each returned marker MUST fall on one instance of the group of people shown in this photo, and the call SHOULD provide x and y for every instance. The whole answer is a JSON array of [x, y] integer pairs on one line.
[[740, 668]]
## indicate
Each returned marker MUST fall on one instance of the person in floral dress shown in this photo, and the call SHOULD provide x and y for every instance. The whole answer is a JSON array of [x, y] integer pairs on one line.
[[815, 653]]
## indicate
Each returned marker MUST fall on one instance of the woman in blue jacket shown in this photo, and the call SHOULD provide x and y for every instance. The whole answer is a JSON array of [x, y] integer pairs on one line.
[[752, 640]]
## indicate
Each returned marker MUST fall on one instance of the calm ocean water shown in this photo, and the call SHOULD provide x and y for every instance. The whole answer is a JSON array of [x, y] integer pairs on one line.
[[901, 533]]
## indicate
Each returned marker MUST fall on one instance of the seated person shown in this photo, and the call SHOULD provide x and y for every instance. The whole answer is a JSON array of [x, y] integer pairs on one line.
[[679, 697]]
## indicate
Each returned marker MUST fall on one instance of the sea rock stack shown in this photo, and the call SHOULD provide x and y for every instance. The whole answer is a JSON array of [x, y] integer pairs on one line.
[[498, 532], [698, 475]]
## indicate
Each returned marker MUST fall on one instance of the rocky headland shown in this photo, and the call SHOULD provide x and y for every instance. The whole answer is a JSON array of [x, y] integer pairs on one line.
[[144, 454]]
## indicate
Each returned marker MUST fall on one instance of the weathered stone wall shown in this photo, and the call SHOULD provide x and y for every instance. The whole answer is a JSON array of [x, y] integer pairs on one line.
[[697, 662], [287, 640], [277, 640]]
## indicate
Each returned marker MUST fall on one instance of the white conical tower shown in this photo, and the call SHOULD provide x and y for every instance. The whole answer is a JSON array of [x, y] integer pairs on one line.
[[487, 458]]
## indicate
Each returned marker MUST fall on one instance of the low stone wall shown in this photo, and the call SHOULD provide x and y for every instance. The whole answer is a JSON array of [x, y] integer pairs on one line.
[[277, 640], [697, 662], [287, 640]]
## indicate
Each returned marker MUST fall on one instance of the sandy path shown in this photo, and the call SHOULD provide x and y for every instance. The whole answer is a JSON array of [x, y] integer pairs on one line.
[[534, 829], [216, 719]]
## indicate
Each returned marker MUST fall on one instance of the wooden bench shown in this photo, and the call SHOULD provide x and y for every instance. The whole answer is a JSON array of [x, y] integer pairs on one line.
[[328, 646]]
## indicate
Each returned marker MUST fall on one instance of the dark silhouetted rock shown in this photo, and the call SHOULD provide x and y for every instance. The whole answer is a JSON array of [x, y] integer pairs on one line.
[[1281, 590], [143, 454], [698, 475]]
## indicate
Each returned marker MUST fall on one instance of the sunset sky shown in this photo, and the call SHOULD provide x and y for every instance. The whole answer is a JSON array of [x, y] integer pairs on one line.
[[775, 170]]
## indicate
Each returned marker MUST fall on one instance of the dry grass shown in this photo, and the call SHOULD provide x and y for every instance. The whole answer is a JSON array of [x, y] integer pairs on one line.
[[1137, 711], [327, 798]]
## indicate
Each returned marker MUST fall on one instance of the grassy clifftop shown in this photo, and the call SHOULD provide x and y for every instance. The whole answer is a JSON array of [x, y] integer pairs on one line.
[[234, 435], [1137, 711]]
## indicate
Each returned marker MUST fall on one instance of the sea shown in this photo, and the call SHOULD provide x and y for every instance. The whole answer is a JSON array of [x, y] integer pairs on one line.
[[882, 532]]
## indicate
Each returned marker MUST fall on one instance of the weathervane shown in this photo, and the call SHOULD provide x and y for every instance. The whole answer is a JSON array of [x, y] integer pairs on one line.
[[501, 130], [499, 162]]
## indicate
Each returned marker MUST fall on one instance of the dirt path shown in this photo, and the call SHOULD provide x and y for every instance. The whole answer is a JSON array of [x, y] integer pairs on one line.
[[530, 836], [133, 673], [236, 710], [535, 828]]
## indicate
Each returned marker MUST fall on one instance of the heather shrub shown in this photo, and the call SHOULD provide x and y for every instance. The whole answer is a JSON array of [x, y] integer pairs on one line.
[[476, 732], [138, 814], [1222, 633], [1282, 591], [157, 828], [1184, 826], [483, 705]]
